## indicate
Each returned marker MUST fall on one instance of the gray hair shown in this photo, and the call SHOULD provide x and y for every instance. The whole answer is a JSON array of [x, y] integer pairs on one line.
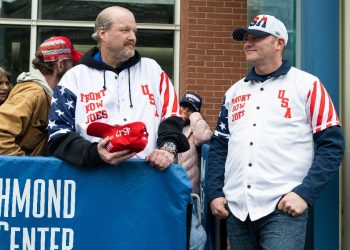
[[102, 22]]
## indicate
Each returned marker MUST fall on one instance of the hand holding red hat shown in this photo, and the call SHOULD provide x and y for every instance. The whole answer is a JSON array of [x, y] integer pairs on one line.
[[120, 142], [115, 157], [132, 136]]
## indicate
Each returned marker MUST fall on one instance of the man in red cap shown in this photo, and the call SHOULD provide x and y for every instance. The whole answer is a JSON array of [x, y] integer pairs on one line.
[[24, 115]]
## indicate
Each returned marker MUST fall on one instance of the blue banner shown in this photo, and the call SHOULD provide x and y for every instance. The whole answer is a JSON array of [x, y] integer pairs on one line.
[[46, 203]]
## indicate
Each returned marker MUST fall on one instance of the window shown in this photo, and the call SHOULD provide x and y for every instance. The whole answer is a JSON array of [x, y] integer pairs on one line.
[[155, 44], [14, 49], [24, 24], [144, 11], [15, 9]]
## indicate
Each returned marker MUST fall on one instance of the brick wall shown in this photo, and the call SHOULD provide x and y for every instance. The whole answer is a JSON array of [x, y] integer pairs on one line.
[[210, 60]]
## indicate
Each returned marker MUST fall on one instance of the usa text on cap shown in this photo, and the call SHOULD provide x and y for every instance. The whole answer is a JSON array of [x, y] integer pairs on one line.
[[263, 25]]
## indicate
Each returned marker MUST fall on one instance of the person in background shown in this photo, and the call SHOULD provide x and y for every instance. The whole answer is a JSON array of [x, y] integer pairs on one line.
[[114, 85], [278, 142], [24, 115], [197, 132], [5, 87]]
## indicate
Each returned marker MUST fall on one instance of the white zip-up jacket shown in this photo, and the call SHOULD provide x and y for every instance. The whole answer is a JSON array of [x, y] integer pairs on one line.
[[92, 91]]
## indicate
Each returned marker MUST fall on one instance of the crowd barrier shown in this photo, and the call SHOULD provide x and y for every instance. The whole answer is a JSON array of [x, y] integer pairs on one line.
[[46, 203]]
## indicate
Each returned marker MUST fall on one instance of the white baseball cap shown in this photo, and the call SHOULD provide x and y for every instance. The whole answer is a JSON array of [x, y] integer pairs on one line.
[[263, 25]]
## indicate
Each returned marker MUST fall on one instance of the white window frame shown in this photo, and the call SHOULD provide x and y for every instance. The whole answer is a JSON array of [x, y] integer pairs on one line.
[[34, 23]]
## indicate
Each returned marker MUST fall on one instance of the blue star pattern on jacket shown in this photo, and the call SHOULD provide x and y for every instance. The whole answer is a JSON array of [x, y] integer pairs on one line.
[[62, 113], [222, 123]]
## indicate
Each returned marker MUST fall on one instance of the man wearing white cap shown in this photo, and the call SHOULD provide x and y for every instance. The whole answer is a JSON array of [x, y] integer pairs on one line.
[[277, 143], [24, 115]]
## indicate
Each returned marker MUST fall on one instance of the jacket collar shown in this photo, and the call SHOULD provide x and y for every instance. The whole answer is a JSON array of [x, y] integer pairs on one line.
[[282, 70], [93, 59]]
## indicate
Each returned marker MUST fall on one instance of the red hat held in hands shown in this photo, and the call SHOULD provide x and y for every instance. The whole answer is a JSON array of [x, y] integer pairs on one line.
[[132, 136]]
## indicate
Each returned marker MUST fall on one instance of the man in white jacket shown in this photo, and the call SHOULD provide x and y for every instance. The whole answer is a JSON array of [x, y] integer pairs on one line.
[[114, 85]]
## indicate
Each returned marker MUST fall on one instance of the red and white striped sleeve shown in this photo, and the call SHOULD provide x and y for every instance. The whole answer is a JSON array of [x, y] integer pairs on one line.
[[171, 106], [321, 109]]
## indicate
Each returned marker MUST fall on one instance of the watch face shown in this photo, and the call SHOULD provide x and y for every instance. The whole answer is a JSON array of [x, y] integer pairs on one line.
[[170, 146]]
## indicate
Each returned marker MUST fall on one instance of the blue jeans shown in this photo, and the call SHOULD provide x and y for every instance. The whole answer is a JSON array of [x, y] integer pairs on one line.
[[198, 236], [276, 231]]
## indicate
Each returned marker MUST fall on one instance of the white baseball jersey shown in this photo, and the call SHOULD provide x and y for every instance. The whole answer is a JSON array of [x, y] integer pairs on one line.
[[270, 148], [81, 100]]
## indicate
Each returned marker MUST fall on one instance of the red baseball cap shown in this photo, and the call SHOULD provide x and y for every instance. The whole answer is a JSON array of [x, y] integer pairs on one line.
[[59, 47], [132, 136]]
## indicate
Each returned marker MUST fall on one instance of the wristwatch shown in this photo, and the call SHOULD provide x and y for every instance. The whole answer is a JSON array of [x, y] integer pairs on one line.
[[170, 147]]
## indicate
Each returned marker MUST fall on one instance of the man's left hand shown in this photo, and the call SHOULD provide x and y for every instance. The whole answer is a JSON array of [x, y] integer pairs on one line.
[[292, 204], [160, 159]]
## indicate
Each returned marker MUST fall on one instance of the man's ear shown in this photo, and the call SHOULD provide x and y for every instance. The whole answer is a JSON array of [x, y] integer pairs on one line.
[[101, 33], [59, 65], [280, 43]]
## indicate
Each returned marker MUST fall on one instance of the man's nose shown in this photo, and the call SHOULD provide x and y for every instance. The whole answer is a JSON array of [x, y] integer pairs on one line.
[[132, 36]]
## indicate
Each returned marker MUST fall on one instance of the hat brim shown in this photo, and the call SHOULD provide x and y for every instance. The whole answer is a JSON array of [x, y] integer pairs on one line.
[[98, 129], [239, 33], [188, 104]]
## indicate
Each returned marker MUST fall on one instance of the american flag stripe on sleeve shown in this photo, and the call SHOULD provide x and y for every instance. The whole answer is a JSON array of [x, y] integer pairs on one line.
[[170, 102], [322, 111]]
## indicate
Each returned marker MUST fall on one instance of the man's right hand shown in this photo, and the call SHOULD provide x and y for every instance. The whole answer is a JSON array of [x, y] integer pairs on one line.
[[115, 157], [218, 209]]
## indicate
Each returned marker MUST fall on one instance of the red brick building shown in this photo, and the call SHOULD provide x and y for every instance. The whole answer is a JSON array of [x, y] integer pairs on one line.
[[210, 60]]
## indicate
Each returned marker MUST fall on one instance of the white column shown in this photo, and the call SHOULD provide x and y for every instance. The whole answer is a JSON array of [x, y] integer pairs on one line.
[[344, 55]]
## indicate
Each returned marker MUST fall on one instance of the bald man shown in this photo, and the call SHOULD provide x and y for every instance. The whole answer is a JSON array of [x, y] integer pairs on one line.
[[114, 85]]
